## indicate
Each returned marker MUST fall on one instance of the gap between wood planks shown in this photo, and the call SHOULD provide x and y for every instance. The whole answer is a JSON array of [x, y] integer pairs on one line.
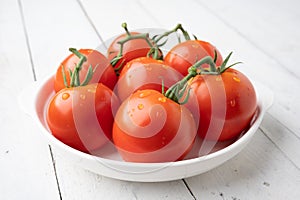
[[189, 189], [35, 79], [247, 39], [278, 147], [55, 172], [91, 22], [27, 39]]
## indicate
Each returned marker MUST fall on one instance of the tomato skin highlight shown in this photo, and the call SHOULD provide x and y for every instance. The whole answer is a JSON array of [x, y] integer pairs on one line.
[[152, 128], [104, 72], [145, 73], [226, 104], [82, 117], [185, 54]]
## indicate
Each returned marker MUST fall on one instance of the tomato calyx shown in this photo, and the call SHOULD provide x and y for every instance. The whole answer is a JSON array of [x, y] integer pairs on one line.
[[74, 75], [213, 69], [177, 91]]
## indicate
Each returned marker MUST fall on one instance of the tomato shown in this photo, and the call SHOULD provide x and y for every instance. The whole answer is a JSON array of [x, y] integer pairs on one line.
[[82, 117], [145, 73], [149, 127], [185, 54], [132, 49], [226, 104], [103, 71]]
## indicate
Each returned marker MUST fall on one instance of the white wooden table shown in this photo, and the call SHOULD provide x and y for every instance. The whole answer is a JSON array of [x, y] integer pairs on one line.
[[264, 34]]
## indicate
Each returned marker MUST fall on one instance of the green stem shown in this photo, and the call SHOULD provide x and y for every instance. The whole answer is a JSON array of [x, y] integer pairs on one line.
[[133, 37], [206, 60], [167, 33], [144, 36], [174, 91]]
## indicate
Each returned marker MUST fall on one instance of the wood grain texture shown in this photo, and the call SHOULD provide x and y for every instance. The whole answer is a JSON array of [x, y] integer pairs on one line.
[[25, 161], [35, 37], [260, 171]]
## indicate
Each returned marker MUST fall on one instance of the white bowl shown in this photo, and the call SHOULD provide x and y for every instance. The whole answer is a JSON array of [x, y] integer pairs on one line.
[[34, 101]]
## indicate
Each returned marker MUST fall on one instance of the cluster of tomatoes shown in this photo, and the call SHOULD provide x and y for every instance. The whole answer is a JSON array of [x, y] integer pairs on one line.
[[151, 106]]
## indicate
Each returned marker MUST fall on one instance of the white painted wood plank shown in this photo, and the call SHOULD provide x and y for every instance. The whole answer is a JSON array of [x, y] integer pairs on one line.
[[74, 182], [25, 161], [283, 138], [260, 171], [273, 26], [108, 16], [54, 27]]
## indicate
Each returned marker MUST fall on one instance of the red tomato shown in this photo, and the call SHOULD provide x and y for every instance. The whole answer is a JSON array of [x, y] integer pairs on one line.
[[145, 73], [149, 127], [226, 104], [103, 71], [82, 117], [132, 49], [185, 54]]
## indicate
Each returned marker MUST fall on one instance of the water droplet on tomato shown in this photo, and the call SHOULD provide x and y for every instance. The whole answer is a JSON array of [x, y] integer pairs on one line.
[[148, 67], [165, 66], [163, 140], [232, 103], [158, 114], [103, 99], [195, 46], [236, 79], [219, 78], [144, 94], [92, 90], [140, 106], [162, 99], [65, 96], [82, 96]]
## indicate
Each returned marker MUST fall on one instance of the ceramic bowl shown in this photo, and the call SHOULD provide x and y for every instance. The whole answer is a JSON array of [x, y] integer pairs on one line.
[[108, 162]]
